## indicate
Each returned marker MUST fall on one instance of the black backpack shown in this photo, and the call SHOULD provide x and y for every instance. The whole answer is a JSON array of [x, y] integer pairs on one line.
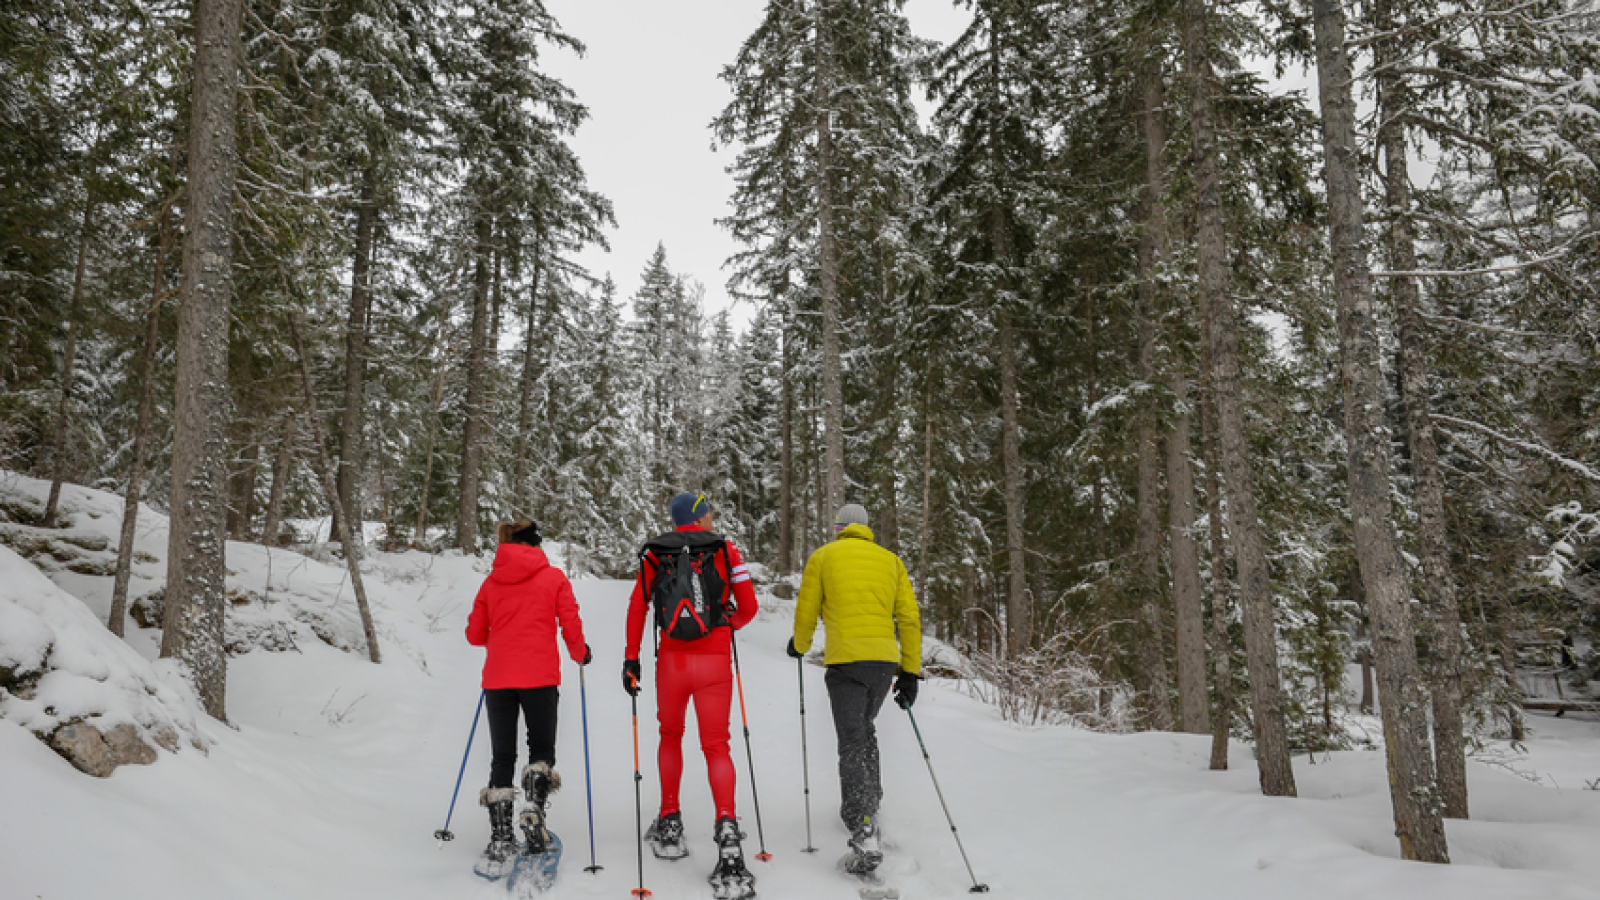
[[687, 593]]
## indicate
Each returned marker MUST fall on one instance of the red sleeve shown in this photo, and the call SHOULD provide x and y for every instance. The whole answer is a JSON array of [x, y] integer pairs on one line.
[[744, 593], [638, 606], [571, 621], [478, 620]]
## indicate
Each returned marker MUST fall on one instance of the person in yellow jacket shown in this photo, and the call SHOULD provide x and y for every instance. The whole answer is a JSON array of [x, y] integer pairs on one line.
[[874, 638]]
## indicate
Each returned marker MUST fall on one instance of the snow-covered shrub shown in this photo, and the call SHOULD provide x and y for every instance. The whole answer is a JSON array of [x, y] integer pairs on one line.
[[80, 689], [1054, 684]]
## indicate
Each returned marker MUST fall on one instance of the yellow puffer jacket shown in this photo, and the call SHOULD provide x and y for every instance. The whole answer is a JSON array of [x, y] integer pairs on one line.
[[862, 593]]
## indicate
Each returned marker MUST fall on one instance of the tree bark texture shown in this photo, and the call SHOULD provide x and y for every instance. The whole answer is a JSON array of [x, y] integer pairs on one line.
[[530, 375], [353, 421], [69, 364], [330, 489], [476, 400], [141, 429], [828, 272], [196, 599], [1449, 740], [1221, 644], [1188, 607], [1147, 503], [1019, 606], [786, 459], [1244, 525], [1404, 709], [282, 468]]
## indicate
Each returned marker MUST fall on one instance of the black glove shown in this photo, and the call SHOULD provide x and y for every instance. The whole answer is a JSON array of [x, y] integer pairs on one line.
[[588, 655], [792, 651], [905, 689], [630, 677]]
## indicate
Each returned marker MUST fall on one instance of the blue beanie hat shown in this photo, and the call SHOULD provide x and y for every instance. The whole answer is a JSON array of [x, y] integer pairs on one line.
[[686, 507]]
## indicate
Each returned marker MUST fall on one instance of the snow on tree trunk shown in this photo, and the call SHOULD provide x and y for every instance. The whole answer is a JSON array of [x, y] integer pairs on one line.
[[477, 372], [1244, 524], [141, 429], [196, 601], [352, 424], [1147, 530], [281, 470], [1450, 750], [1221, 644], [1412, 790], [1019, 609], [828, 276]]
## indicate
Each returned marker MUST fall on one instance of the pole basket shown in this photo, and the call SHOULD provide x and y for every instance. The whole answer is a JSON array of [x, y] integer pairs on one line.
[[978, 889], [640, 892], [444, 835], [764, 857]]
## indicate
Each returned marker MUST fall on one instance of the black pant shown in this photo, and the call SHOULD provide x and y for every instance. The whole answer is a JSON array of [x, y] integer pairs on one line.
[[538, 706], [856, 692]]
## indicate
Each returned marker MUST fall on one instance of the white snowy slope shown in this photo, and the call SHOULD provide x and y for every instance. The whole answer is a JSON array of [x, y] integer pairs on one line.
[[335, 773]]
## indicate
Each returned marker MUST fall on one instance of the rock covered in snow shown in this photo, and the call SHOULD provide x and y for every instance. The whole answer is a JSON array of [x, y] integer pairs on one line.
[[79, 688]]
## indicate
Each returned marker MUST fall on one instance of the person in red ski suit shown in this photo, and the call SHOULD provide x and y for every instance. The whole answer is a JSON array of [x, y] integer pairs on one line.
[[698, 669], [515, 616]]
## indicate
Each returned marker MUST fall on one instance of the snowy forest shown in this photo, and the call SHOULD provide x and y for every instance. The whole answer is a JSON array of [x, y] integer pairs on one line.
[[1187, 391]]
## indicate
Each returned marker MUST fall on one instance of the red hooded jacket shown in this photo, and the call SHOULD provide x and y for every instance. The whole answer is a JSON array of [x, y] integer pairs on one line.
[[515, 617]]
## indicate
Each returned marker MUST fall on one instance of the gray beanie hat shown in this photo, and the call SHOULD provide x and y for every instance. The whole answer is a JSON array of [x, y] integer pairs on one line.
[[850, 514]]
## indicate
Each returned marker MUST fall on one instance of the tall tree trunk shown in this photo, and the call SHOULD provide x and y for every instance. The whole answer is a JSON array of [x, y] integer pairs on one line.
[[69, 364], [1255, 588], [828, 271], [1404, 708], [1221, 644], [420, 534], [927, 492], [477, 372], [1188, 607], [141, 428], [352, 425], [786, 457], [530, 374], [1449, 742], [282, 469], [1019, 608], [1147, 530], [330, 489], [242, 489], [196, 598]]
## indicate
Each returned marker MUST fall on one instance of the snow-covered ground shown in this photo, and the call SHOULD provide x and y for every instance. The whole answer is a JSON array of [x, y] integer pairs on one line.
[[334, 773]]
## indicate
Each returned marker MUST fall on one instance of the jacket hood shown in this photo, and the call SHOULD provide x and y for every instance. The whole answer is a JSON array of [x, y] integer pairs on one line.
[[855, 530], [516, 563]]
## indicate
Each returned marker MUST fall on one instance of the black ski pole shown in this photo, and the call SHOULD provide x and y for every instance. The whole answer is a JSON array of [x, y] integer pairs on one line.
[[638, 800], [444, 833], [976, 888], [588, 784], [805, 764], [755, 798]]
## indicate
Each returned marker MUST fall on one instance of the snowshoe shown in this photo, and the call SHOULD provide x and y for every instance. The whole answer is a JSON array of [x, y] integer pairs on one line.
[[665, 837], [870, 885], [731, 879], [500, 856], [866, 849], [534, 873]]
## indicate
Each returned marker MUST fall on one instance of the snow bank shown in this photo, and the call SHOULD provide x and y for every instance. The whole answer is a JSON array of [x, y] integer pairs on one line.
[[78, 687]]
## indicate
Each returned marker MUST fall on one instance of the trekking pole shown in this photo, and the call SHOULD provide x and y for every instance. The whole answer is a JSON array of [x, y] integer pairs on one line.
[[805, 764], [755, 798], [976, 888], [588, 786], [444, 834], [638, 801]]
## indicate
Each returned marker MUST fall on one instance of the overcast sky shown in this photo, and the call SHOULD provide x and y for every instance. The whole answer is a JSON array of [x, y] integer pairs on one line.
[[650, 81]]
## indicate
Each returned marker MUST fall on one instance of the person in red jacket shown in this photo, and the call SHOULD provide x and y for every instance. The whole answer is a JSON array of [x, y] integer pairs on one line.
[[515, 617], [698, 669]]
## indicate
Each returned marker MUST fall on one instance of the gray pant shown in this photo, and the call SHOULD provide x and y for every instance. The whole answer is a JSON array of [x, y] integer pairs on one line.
[[856, 692]]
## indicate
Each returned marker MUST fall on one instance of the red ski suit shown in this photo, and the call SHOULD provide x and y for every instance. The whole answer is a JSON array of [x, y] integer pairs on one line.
[[515, 616], [700, 669]]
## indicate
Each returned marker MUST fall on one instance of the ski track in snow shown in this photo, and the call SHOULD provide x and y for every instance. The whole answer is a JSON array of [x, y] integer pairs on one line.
[[334, 773]]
